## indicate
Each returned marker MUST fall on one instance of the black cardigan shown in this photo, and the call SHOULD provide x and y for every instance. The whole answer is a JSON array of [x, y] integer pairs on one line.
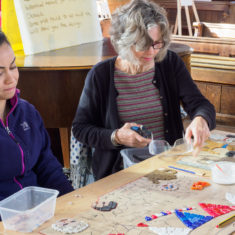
[[97, 114]]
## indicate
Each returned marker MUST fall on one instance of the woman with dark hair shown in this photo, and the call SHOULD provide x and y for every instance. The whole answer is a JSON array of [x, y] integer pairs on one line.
[[25, 155], [144, 85]]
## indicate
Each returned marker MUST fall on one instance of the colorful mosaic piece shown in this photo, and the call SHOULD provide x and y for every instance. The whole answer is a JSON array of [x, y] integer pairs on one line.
[[216, 210], [168, 187], [162, 213], [69, 226], [199, 185], [170, 230], [104, 206], [192, 220], [142, 225], [116, 234]]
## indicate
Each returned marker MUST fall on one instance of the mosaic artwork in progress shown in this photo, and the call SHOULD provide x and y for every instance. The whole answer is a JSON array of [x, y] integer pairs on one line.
[[142, 198]]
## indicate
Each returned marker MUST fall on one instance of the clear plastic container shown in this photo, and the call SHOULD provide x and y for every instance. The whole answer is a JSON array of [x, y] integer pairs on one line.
[[181, 147], [27, 209], [158, 146], [132, 156], [223, 172]]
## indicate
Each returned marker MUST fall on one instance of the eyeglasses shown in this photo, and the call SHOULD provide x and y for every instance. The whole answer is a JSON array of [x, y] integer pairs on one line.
[[158, 45], [155, 46]]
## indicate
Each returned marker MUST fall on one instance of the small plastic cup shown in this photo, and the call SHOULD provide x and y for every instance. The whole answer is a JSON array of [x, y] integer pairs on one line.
[[181, 147], [158, 146], [223, 172]]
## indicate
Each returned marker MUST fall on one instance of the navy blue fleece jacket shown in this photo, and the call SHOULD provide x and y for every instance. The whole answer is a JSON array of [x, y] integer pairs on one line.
[[25, 155]]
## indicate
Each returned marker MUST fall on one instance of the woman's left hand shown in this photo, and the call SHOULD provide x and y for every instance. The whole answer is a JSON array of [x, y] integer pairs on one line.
[[199, 130]]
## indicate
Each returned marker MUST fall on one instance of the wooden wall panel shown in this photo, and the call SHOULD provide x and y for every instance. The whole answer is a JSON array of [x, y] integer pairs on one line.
[[212, 92], [202, 87], [213, 75], [214, 12], [228, 100], [54, 93], [113, 4], [223, 98], [214, 95]]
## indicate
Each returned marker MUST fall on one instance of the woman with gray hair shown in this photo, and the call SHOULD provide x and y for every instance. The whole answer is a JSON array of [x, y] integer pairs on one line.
[[143, 85]]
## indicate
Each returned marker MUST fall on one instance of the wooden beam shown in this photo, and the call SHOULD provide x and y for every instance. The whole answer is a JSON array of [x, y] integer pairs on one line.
[[213, 75], [65, 139], [179, 17], [188, 21], [195, 12]]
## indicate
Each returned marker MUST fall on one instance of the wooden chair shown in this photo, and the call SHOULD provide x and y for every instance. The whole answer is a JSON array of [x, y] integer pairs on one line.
[[214, 30]]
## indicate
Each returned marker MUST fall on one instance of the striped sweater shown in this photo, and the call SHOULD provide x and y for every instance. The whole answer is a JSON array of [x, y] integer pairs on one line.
[[139, 101]]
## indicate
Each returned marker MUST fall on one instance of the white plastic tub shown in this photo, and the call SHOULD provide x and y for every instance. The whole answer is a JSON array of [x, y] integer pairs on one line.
[[132, 156], [27, 209], [223, 172]]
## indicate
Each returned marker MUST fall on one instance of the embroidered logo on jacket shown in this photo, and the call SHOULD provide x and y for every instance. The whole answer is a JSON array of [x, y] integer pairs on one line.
[[25, 126]]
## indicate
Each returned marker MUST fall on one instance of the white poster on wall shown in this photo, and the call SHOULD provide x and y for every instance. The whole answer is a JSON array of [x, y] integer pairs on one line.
[[52, 24]]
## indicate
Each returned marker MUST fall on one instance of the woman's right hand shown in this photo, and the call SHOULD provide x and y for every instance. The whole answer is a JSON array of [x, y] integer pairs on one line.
[[126, 136]]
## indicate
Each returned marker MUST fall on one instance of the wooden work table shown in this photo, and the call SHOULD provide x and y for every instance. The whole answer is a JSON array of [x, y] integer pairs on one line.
[[80, 201], [53, 81]]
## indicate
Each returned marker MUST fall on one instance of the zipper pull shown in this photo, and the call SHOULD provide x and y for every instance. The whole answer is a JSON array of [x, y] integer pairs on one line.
[[8, 130], [9, 133]]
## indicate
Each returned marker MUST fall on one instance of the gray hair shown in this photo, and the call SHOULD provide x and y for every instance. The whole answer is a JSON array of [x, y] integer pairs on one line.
[[130, 24]]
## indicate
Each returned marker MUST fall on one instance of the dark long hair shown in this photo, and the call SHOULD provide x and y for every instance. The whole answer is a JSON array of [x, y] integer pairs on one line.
[[3, 38]]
